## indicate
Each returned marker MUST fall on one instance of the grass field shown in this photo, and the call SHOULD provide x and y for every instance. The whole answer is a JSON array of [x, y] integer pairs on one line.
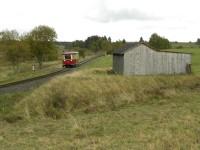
[[8, 74], [102, 62], [94, 109]]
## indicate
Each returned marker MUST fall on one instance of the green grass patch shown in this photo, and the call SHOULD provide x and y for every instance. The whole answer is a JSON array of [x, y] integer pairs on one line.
[[8, 74], [7, 104], [101, 62], [180, 45]]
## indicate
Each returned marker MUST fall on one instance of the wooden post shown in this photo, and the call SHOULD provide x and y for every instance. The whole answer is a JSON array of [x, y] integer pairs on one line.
[[33, 67], [188, 68]]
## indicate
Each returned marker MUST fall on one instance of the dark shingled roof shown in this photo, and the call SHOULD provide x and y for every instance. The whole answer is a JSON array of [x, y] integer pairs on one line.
[[125, 48], [131, 45]]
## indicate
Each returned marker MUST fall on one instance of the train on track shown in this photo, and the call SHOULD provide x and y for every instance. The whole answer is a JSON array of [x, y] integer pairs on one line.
[[70, 59]]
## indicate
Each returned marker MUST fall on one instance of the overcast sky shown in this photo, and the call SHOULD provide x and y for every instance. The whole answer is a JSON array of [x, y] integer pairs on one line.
[[177, 20]]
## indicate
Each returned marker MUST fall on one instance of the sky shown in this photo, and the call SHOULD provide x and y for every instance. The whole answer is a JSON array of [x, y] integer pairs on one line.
[[177, 20]]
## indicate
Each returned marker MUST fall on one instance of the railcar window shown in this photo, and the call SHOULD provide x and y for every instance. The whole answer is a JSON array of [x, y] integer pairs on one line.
[[75, 56], [67, 56]]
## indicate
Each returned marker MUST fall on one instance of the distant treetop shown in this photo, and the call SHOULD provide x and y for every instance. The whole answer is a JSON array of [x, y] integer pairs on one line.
[[198, 41], [159, 42], [141, 40]]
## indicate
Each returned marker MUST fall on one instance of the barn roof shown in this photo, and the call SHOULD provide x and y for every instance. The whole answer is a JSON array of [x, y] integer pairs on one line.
[[125, 48], [129, 46], [69, 52]]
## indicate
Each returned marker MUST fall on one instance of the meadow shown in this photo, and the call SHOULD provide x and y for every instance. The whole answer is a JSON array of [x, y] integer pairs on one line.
[[95, 109], [8, 74]]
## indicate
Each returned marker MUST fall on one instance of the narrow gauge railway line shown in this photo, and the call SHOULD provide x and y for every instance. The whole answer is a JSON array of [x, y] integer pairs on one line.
[[31, 83]]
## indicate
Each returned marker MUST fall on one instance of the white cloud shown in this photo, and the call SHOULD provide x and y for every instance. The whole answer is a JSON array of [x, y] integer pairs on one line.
[[104, 14]]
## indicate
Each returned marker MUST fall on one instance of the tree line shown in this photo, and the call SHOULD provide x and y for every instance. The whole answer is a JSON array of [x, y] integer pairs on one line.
[[38, 44], [97, 44]]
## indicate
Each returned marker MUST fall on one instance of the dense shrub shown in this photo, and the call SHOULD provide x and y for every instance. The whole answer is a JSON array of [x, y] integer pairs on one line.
[[159, 42]]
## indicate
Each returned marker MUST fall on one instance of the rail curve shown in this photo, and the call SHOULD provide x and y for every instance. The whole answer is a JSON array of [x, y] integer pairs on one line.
[[30, 83]]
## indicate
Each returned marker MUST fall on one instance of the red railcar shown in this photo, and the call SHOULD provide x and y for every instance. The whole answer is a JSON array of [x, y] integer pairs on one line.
[[70, 59]]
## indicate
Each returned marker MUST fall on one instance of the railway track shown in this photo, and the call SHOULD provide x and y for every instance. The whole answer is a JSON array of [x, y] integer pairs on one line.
[[35, 82]]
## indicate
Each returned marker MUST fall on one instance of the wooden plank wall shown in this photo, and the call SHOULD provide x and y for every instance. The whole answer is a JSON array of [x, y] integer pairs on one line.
[[118, 64], [145, 61]]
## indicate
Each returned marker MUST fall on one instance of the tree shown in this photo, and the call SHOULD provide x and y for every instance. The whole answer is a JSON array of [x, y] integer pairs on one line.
[[92, 43], [109, 39], [17, 53], [123, 41], [159, 42], [141, 40], [117, 45], [41, 40], [15, 50], [8, 36], [198, 41], [78, 43], [98, 44]]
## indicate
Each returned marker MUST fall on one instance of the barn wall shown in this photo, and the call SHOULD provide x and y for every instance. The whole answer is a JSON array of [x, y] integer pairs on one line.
[[118, 64], [143, 61]]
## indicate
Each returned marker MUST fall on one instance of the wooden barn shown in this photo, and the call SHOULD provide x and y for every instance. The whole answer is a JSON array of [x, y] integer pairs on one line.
[[140, 59]]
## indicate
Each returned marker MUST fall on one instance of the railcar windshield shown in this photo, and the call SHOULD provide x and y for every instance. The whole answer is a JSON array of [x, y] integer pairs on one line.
[[68, 56], [71, 55]]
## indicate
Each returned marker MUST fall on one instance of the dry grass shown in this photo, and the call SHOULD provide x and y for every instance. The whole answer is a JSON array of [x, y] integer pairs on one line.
[[86, 92]]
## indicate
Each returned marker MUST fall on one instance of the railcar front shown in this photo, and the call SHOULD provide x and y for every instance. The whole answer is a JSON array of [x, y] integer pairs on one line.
[[71, 59]]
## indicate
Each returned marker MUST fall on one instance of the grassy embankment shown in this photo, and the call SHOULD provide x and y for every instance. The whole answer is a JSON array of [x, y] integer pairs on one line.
[[8, 74], [93, 109]]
